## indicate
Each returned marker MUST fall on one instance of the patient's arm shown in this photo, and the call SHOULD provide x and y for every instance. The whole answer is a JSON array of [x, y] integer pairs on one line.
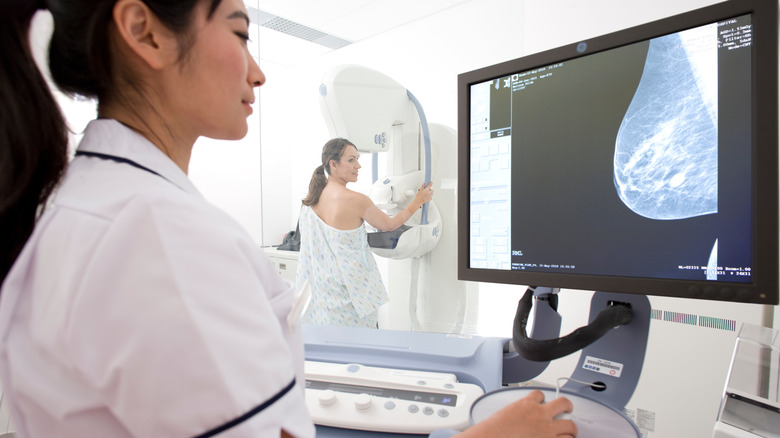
[[381, 221]]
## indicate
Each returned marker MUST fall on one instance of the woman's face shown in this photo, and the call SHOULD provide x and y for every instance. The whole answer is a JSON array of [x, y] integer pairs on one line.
[[212, 90], [347, 167]]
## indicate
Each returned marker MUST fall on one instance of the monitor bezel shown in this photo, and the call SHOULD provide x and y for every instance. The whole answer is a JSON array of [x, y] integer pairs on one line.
[[763, 287]]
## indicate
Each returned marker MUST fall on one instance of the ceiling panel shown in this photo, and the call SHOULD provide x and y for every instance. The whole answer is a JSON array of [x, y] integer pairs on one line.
[[351, 20]]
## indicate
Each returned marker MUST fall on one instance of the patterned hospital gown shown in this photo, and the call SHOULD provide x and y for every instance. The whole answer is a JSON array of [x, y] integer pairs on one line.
[[346, 286]]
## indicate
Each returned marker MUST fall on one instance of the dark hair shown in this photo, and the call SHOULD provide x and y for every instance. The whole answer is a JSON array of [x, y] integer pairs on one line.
[[80, 57], [33, 132], [333, 150]]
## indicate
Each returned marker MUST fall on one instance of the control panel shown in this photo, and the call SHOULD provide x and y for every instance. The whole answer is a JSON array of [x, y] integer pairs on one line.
[[354, 396]]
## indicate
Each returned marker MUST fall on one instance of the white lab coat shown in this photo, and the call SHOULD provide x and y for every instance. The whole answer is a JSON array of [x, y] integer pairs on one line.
[[137, 309]]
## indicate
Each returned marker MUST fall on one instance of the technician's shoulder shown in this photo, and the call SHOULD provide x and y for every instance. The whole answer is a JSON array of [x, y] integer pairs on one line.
[[184, 211], [191, 231]]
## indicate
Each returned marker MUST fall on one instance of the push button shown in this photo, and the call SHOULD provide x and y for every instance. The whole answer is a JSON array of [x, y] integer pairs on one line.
[[362, 402], [327, 397]]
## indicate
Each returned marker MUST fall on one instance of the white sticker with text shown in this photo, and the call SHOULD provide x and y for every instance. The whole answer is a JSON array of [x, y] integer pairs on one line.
[[603, 366]]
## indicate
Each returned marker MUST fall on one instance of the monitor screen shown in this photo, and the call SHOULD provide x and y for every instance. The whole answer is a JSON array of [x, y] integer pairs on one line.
[[643, 161]]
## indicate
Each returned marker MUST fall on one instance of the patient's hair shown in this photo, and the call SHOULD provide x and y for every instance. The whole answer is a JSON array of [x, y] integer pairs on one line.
[[333, 150], [33, 132]]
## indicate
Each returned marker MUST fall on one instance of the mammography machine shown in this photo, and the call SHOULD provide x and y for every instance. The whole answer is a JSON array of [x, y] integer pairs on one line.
[[383, 118], [379, 115]]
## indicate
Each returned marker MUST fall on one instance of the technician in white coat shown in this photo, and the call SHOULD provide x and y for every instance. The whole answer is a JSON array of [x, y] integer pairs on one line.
[[136, 308], [129, 306]]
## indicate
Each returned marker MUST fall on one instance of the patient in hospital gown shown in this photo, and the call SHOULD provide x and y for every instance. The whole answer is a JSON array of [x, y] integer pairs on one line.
[[335, 258], [342, 271]]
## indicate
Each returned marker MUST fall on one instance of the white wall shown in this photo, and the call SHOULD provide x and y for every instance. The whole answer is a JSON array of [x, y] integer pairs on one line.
[[228, 173]]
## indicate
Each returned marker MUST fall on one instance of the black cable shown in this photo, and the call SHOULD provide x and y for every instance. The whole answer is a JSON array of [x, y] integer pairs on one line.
[[548, 349]]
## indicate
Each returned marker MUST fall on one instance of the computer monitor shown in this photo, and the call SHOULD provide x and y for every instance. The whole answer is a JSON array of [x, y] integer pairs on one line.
[[643, 161]]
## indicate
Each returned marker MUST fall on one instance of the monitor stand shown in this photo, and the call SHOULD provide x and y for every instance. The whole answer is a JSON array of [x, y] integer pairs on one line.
[[613, 344], [616, 358]]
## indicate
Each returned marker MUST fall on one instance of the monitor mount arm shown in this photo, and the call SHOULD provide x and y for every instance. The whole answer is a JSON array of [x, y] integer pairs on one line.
[[549, 349], [613, 344]]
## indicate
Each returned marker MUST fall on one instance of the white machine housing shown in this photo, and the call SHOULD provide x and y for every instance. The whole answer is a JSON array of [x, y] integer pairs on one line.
[[365, 107], [391, 194]]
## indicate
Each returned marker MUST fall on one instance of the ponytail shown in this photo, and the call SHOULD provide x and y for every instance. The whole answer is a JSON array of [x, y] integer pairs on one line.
[[317, 183], [33, 134], [333, 150]]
